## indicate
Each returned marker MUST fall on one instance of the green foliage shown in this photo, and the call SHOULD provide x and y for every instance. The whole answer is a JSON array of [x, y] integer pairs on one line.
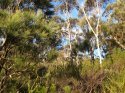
[[85, 45], [42, 71], [67, 89], [53, 88], [68, 71], [52, 54], [21, 54], [88, 77], [43, 90], [5, 3], [46, 5], [22, 70]]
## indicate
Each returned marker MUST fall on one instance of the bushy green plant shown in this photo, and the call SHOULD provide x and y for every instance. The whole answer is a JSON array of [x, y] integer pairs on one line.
[[52, 54], [67, 89], [53, 88]]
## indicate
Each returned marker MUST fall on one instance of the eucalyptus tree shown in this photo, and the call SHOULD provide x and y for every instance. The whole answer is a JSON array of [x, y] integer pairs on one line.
[[91, 13], [65, 7], [116, 22]]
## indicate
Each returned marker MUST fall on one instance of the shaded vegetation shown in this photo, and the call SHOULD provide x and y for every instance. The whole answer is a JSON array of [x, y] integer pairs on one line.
[[30, 61]]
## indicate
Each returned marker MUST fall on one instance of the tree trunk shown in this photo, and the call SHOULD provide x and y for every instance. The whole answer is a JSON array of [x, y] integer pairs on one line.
[[98, 48]]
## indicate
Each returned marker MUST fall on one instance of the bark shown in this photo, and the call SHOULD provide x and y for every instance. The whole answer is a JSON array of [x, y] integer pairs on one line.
[[99, 51], [95, 32], [68, 25], [119, 43]]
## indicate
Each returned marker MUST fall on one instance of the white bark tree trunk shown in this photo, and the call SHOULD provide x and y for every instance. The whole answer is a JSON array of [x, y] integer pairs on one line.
[[99, 50], [96, 31], [68, 25], [69, 36]]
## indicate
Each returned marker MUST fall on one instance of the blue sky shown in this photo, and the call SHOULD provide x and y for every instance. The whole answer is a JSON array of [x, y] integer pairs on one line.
[[74, 12]]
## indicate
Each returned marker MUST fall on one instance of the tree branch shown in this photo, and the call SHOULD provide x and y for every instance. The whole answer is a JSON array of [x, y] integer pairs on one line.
[[88, 21], [121, 45]]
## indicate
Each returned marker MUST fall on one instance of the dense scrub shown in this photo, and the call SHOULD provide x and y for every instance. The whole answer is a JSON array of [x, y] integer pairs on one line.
[[43, 52], [71, 78]]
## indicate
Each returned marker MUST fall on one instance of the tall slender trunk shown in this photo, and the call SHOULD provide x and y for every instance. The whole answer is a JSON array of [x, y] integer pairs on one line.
[[96, 31], [92, 55], [69, 36], [99, 50], [69, 30]]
